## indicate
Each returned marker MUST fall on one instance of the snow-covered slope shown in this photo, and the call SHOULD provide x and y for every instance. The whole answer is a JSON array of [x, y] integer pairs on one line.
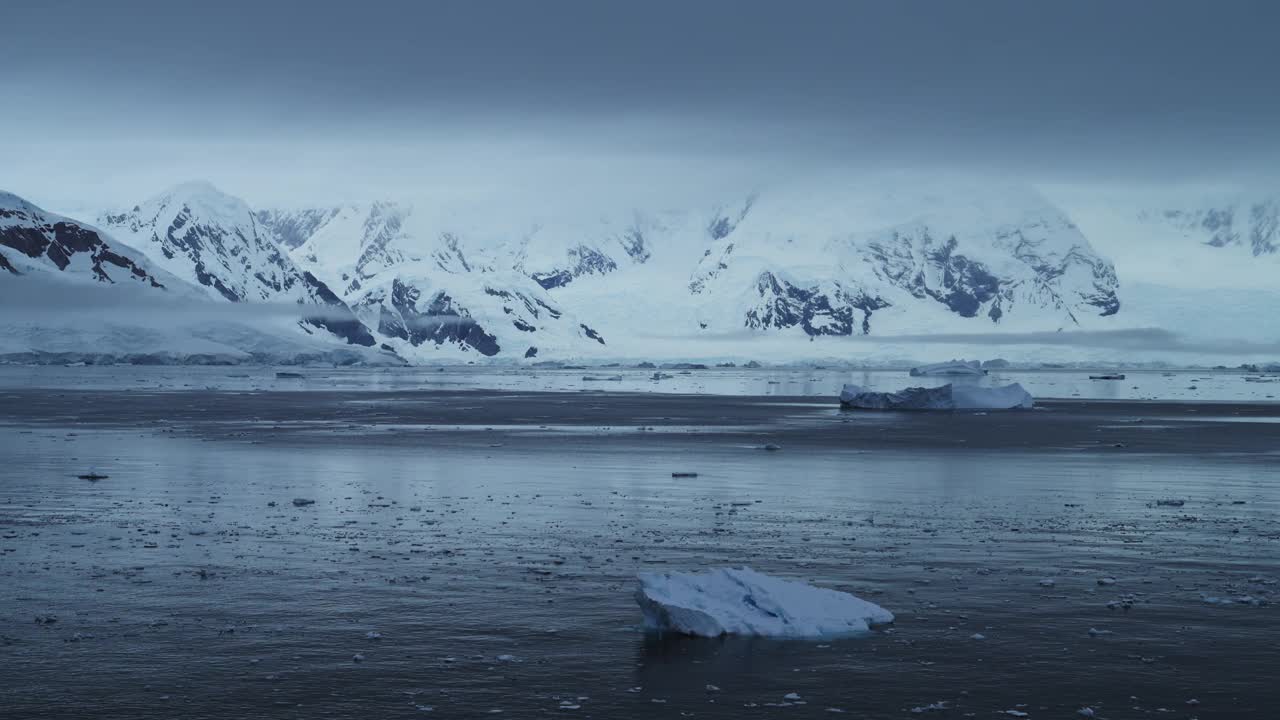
[[33, 240], [213, 240], [1185, 237], [788, 264], [427, 295], [808, 266], [424, 311], [69, 292], [345, 245], [1252, 225]]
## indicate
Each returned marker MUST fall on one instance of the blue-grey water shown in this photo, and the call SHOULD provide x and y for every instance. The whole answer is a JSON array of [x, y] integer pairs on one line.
[[496, 568], [1190, 385]]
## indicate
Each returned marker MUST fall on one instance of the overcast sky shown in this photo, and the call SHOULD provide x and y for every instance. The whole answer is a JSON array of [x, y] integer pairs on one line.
[[281, 101]]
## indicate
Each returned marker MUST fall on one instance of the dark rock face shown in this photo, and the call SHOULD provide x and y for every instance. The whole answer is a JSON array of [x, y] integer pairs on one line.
[[531, 352], [635, 246], [1103, 294], [592, 334], [338, 318], [835, 311], [439, 321], [1253, 225], [966, 284], [963, 285], [582, 260], [35, 234], [723, 224], [5, 265], [556, 279], [918, 263], [534, 306]]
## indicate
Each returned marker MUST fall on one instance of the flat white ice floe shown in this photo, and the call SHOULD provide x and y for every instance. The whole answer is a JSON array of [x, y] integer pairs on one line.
[[745, 602], [946, 397]]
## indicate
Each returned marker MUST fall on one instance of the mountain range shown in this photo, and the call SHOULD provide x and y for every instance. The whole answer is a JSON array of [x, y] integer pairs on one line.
[[768, 273]]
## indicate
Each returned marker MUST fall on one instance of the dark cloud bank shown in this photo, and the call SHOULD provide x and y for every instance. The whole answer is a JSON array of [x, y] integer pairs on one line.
[[1144, 89]]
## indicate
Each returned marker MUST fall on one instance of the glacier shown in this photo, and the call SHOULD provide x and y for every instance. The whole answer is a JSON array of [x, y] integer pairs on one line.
[[741, 601]]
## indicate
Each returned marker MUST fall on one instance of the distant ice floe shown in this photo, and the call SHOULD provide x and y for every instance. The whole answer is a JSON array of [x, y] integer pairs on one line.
[[947, 397], [744, 602], [951, 368]]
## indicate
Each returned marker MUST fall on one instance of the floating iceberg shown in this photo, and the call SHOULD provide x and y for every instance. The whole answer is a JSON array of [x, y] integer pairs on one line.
[[950, 368], [947, 397], [745, 602]]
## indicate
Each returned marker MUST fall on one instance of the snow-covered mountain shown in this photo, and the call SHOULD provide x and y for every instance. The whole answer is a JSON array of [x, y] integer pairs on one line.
[[342, 245], [977, 265], [421, 290], [214, 241], [766, 265], [1193, 238], [72, 292], [1251, 225], [33, 240]]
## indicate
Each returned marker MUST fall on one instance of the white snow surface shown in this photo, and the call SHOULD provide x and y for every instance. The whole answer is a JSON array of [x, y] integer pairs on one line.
[[741, 601], [946, 397], [950, 368]]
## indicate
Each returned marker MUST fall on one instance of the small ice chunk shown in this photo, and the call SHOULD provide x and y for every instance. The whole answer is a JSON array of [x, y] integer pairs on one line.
[[1086, 712], [977, 636], [745, 602], [373, 635], [791, 696], [1048, 582]]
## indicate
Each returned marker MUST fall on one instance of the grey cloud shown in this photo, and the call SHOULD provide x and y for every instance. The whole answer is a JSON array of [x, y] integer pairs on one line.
[[150, 92]]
